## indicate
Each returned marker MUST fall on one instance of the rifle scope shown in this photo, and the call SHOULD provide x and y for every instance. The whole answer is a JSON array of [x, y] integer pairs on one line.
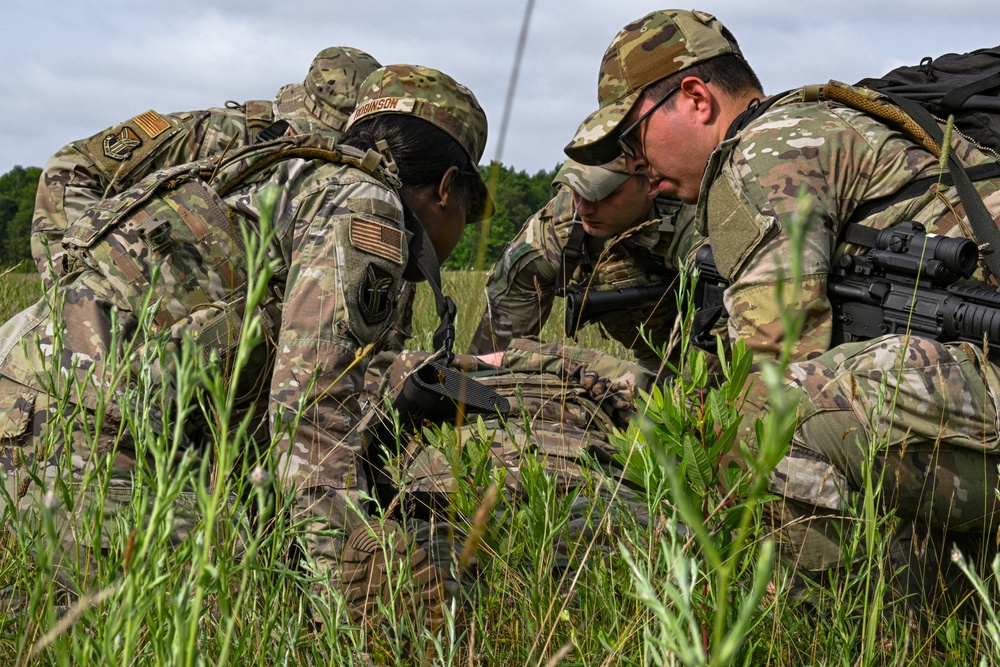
[[943, 257]]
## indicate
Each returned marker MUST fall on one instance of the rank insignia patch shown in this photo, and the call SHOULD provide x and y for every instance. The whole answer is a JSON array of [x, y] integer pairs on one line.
[[377, 238], [120, 146], [375, 295]]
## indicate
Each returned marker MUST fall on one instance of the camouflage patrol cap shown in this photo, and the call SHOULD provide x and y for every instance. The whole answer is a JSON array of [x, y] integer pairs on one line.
[[643, 52], [435, 97], [330, 89], [591, 182]]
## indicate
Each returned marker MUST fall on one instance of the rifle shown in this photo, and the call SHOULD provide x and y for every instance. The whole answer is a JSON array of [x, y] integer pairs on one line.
[[584, 306], [904, 283]]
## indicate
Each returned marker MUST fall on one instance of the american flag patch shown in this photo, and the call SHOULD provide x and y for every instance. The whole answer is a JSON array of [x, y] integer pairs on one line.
[[377, 238], [152, 123]]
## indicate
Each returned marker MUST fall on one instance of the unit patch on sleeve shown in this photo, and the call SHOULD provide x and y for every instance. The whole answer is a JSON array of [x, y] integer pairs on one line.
[[375, 295], [120, 146], [377, 238]]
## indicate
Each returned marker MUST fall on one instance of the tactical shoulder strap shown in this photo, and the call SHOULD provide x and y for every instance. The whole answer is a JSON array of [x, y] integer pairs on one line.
[[272, 131], [423, 252], [979, 172], [279, 150], [571, 254]]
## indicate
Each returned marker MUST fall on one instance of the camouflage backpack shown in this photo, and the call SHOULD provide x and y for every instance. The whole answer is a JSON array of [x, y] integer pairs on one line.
[[172, 242]]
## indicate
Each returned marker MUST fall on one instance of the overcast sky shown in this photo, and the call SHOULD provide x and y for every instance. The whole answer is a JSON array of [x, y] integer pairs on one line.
[[73, 67]]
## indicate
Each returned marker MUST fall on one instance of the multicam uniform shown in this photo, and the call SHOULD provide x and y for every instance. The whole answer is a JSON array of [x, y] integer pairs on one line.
[[339, 254], [341, 248], [90, 170], [939, 452], [522, 285]]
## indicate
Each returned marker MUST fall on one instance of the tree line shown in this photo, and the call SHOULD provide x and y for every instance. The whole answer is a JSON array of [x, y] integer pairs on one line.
[[516, 193], [17, 204]]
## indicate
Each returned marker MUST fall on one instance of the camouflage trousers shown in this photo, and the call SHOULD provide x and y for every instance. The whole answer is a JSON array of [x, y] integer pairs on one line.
[[917, 416]]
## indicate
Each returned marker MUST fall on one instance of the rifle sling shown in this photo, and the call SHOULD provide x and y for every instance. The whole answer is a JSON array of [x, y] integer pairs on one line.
[[571, 254], [423, 252], [914, 189]]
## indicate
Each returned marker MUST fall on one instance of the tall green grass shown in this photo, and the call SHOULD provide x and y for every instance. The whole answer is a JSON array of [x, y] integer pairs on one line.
[[689, 578]]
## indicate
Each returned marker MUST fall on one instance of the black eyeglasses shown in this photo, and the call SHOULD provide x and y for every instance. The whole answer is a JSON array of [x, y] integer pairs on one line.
[[627, 149]]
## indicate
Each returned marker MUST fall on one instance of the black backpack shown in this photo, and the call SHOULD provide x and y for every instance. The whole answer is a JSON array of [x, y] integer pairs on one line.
[[966, 86]]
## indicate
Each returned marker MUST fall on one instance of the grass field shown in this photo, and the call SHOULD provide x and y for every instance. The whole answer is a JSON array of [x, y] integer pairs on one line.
[[642, 591]]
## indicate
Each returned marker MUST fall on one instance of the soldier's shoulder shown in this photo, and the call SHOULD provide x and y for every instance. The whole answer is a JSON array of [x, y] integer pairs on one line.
[[819, 125]]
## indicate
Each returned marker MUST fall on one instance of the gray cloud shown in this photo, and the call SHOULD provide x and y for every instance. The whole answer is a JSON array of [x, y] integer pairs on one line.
[[73, 68]]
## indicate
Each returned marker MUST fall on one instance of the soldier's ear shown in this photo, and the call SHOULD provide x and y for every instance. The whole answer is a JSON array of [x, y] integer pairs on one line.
[[446, 187]]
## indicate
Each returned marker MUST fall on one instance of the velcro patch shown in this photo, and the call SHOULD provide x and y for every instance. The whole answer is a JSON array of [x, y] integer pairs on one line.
[[121, 151], [733, 230], [377, 238], [152, 123], [120, 146], [375, 295], [376, 207]]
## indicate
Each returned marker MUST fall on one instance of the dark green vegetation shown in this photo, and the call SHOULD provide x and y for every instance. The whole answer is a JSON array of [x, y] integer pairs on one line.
[[17, 202], [517, 197], [229, 594]]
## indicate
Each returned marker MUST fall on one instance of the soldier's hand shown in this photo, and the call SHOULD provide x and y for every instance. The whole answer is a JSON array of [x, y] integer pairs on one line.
[[615, 397]]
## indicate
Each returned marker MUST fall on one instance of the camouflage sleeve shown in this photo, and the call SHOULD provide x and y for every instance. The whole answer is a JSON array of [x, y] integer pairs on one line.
[[528, 356], [799, 164], [69, 185], [522, 284], [346, 251]]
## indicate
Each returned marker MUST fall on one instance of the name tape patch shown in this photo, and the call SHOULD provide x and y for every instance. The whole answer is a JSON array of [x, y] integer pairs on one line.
[[398, 104]]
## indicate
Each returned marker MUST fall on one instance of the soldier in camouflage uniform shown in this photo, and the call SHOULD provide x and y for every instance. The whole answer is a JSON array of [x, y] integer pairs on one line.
[[90, 170], [341, 219], [673, 90], [632, 238]]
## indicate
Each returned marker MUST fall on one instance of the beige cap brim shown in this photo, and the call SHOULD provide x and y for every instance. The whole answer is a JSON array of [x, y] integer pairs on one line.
[[591, 182]]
